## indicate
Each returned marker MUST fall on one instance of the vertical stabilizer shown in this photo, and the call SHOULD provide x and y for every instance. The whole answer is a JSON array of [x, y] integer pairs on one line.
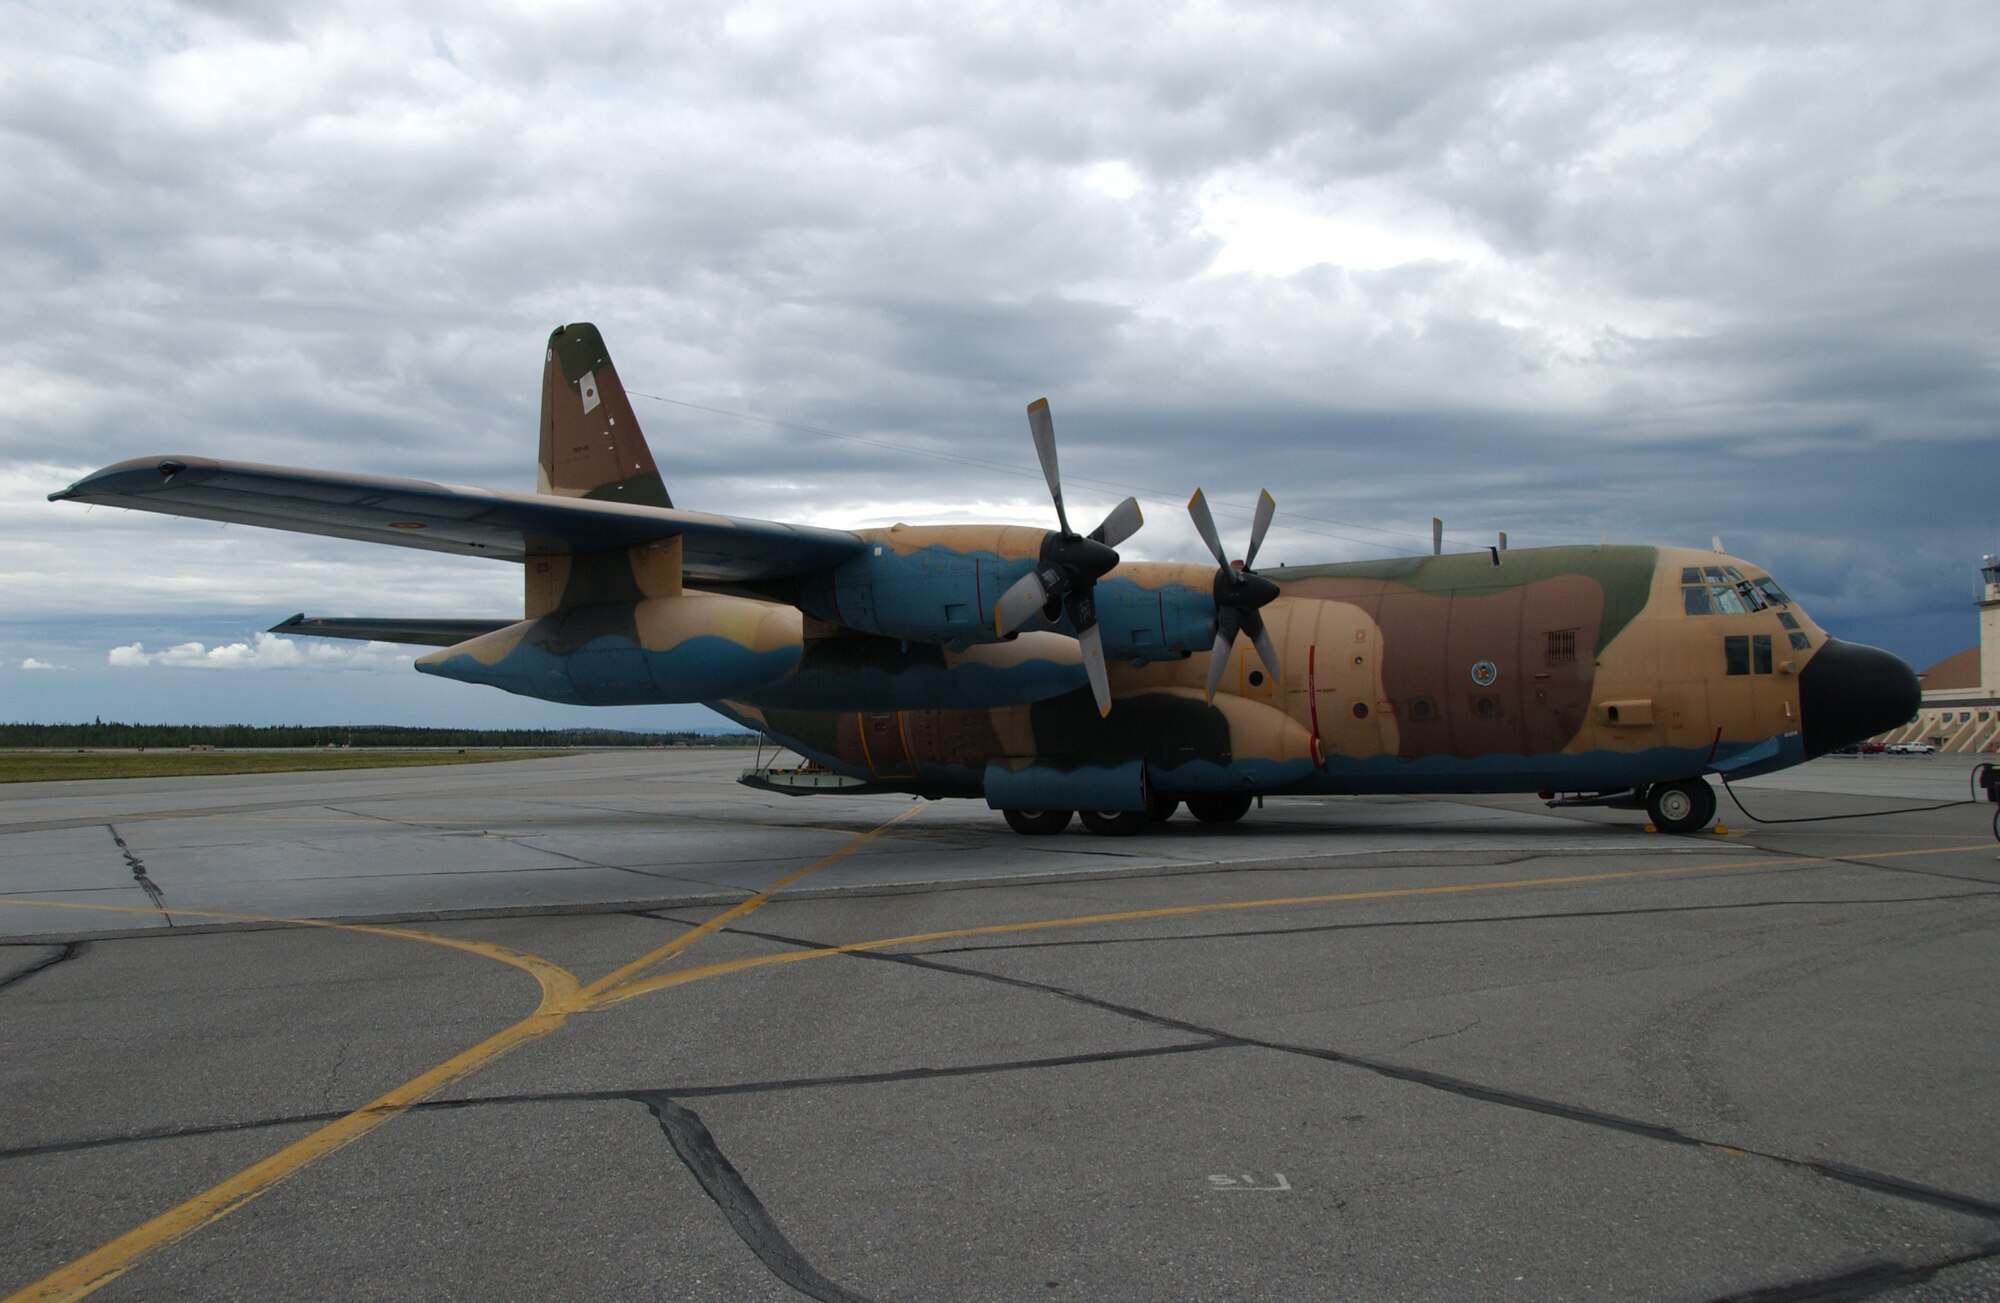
[[591, 444], [592, 448]]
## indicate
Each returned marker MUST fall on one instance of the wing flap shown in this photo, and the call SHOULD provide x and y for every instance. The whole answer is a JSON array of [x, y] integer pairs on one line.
[[423, 632], [469, 522]]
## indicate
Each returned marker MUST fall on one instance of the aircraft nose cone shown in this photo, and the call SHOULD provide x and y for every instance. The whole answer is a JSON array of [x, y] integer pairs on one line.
[[1848, 692]]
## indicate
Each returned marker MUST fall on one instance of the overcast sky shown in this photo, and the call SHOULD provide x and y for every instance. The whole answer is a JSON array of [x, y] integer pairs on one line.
[[1626, 269]]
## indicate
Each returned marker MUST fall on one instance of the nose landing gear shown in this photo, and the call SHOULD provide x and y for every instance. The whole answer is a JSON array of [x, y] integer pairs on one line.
[[1683, 806]]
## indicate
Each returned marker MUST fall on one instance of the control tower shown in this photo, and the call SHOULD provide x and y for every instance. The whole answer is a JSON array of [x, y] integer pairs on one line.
[[1989, 627], [1961, 705]]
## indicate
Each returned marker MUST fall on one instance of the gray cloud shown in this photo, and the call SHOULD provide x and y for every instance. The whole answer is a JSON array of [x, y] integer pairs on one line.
[[1555, 270]]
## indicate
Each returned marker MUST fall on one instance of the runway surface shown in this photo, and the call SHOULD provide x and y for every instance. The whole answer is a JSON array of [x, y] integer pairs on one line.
[[614, 1026]]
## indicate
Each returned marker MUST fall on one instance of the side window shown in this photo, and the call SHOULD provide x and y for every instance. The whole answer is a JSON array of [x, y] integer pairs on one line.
[[1726, 600], [1760, 651], [1696, 601], [1736, 653], [1800, 642], [1787, 619]]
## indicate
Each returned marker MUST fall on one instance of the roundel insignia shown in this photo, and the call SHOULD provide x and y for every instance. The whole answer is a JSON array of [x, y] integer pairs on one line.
[[1484, 672]]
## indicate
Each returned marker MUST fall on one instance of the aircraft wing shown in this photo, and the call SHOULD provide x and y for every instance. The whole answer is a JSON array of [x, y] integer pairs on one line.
[[470, 522], [424, 632]]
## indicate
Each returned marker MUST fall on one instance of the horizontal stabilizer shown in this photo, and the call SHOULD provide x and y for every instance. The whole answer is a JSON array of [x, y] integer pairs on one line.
[[469, 522], [428, 633]]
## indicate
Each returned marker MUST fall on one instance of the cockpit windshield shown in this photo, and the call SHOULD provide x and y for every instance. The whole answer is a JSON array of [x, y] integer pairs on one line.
[[1726, 590]]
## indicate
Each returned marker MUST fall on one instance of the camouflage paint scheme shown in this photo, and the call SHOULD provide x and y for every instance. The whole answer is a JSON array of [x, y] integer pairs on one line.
[[874, 652]]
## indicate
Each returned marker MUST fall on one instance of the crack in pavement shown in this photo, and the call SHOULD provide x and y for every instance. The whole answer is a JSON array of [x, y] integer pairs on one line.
[[747, 1215], [1865, 1280], [63, 954], [146, 884]]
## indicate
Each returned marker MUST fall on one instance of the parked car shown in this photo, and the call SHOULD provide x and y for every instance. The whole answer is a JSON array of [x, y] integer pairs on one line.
[[1910, 749]]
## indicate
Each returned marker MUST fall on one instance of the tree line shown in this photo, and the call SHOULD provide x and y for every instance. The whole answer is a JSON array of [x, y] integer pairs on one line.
[[103, 733]]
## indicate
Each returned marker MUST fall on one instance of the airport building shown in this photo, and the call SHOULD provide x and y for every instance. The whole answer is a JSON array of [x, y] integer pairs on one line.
[[1961, 705]]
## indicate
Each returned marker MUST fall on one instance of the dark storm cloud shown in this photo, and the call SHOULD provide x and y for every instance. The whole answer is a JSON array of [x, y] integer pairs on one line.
[[1563, 270]]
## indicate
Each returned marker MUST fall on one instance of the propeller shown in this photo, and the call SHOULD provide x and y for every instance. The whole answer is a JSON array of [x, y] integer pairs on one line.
[[1066, 574], [1240, 592]]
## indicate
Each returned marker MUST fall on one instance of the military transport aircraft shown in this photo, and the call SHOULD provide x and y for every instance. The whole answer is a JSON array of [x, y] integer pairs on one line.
[[1034, 669]]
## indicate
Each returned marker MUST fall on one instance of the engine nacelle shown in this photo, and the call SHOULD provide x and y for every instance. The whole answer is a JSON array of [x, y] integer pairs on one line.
[[938, 585], [690, 647]]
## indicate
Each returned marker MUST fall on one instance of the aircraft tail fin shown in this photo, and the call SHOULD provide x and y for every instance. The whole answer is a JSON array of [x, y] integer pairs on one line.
[[591, 444], [592, 448]]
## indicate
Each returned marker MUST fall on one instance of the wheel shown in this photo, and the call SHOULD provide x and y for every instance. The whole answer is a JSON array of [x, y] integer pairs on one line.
[[1115, 823], [1036, 823], [1681, 807], [1226, 808], [1159, 809]]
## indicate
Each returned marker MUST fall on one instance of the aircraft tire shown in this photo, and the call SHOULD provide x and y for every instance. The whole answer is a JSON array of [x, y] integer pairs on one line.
[[1681, 807], [1115, 823], [1159, 809], [1037, 823], [1227, 808]]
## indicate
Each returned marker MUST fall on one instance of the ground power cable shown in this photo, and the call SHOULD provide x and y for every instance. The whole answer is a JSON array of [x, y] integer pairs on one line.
[[1871, 814]]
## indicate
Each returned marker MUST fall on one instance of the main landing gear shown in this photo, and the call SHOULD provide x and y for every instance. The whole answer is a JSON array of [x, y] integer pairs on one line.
[[1683, 806], [1225, 808]]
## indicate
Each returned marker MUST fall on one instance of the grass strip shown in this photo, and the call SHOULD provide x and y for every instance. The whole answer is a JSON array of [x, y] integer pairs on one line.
[[64, 766]]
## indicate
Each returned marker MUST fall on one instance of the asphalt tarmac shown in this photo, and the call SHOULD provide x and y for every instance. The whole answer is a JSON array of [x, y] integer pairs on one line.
[[612, 1026]]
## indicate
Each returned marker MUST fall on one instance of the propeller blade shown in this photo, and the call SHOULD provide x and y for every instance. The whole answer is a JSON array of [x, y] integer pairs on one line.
[[1091, 642], [1121, 524], [1218, 657], [1266, 507], [1043, 427], [1019, 603], [1204, 525], [1265, 651]]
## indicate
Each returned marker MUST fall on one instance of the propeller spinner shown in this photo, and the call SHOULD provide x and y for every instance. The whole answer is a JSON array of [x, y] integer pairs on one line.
[[1240, 592], [1070, 565]]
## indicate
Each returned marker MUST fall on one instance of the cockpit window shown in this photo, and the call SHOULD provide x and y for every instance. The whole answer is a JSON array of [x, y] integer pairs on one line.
[[1725, 590]]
